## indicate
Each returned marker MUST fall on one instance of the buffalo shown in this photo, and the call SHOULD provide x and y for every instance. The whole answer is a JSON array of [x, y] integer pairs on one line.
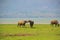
[[31, 23], [21, 23], [55, 22]]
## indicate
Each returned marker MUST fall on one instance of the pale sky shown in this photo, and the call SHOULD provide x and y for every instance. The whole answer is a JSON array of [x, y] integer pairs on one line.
[[29, 8]]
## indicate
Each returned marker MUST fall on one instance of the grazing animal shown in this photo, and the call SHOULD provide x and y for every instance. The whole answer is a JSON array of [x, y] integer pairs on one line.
[[55, 22], [31, 23], [22, 23]]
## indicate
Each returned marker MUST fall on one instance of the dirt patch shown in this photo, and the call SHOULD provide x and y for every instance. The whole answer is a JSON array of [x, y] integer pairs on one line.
[[58, 34], [16, 34]]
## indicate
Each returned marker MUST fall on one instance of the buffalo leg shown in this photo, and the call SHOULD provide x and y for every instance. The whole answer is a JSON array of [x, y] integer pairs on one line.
[[58, 25], [17, 25], [52, 24], [31, 25]]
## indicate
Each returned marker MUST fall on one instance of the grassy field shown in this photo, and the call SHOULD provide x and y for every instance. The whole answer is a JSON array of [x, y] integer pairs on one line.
[[38, 32]]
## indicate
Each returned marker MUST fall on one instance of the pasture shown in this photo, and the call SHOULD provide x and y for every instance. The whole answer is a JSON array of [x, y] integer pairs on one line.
[[38, 32]]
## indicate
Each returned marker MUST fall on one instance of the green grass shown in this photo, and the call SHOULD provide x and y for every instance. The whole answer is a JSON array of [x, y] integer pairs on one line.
[[39, 31]]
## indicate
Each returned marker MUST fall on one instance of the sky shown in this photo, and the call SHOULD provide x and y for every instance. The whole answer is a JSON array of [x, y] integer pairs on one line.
[[29, 8]]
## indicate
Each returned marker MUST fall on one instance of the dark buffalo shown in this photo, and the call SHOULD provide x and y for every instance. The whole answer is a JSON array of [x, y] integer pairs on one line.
[[22, 23], [31, 23], [55, 22]]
